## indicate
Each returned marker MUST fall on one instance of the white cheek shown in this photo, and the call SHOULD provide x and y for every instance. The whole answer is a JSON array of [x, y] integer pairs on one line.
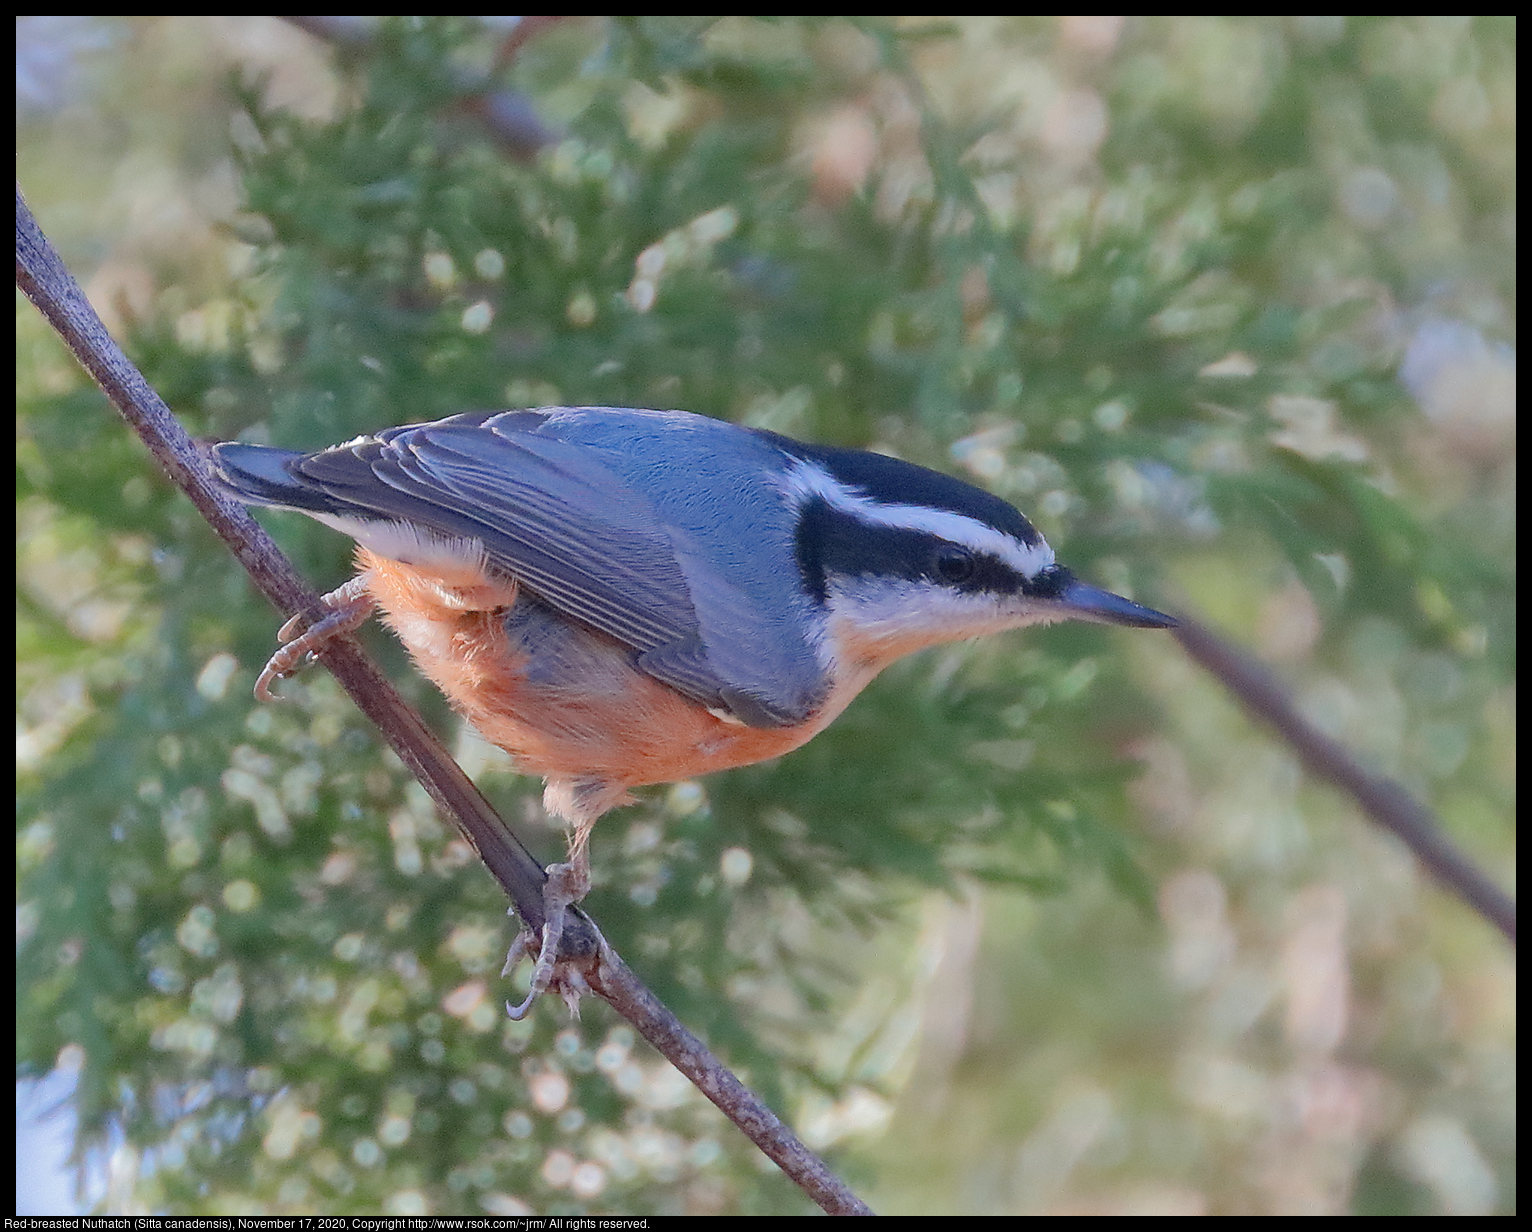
[[917, 614]]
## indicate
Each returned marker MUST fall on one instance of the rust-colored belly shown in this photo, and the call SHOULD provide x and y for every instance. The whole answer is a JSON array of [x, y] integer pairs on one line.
[[565, 701]]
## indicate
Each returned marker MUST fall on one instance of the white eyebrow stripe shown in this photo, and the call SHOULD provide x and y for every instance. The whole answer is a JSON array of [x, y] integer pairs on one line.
[[805, 480]]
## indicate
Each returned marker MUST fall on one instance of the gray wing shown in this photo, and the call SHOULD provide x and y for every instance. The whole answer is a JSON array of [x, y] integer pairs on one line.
[[556, 514]]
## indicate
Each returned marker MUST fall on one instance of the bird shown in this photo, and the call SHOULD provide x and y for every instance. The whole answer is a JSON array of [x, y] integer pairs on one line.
[[620, 597]]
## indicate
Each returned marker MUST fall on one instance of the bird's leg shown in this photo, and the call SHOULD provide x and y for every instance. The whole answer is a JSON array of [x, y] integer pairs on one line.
[[567, 884], [349, 607], [580, 804]]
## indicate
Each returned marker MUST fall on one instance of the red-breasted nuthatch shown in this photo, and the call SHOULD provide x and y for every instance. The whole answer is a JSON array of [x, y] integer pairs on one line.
[[623, 597]]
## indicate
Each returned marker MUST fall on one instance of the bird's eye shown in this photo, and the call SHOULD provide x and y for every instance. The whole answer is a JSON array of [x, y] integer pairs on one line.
[[954, 565]]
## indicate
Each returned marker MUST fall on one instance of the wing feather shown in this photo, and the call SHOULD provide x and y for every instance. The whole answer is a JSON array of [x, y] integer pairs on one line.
[[571, 519]]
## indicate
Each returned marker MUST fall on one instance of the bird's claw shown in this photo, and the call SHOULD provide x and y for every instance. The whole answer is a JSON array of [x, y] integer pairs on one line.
[[567, 884], [348, 608]]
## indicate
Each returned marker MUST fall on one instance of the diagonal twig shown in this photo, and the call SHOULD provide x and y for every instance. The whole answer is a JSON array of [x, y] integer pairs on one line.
[[1382, 799], [41, 274]]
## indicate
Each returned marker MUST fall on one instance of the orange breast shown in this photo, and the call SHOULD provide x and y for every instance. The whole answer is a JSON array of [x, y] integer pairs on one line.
[[565, 701]]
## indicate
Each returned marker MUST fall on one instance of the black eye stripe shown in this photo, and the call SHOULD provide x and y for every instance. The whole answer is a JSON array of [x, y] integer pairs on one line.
[[834, 542]]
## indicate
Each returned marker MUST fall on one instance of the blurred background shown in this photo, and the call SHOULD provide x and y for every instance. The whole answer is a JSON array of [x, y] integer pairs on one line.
[[1042, 924]]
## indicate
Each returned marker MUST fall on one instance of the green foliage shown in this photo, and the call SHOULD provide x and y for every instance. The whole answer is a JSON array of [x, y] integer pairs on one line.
[[281, 967]]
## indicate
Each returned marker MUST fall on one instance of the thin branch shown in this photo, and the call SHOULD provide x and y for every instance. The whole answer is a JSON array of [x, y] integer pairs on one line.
[[1382, 799], [43, 277]]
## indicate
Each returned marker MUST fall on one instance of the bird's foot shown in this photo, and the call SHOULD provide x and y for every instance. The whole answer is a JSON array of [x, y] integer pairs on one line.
[[567, 884], [349, 607]]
